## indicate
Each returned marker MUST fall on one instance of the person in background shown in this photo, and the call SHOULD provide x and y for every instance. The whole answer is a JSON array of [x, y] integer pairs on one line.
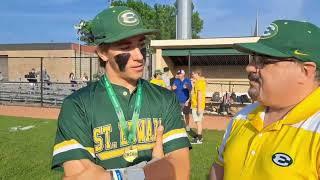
[[182, 87], [172, 80], [1, 76], [166, 77], [198, 103], [85, 78], [32, 73], [157, 79], [71, 76], [72, 80], [46, 77]]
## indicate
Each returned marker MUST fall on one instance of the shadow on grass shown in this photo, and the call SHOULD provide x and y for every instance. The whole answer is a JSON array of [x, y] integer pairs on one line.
[[192, 133]]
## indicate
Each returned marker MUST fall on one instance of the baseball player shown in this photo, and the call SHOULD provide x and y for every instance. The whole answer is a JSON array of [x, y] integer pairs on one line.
[[114, 127]]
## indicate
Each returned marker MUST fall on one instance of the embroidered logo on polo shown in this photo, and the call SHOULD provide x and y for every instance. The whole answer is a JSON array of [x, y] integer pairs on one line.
[[282, 159], [128, 18], [270, 31]]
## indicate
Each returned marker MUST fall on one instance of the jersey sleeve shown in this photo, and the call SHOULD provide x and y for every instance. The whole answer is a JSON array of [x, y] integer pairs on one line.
[[73, 138], [175, 136]]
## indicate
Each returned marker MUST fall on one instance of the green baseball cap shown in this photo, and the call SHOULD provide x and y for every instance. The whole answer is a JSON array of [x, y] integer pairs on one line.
[[287, 39], [158, 71], [117, 23]]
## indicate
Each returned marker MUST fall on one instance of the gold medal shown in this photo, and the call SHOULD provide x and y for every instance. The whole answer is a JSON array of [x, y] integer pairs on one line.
[[130, 154]]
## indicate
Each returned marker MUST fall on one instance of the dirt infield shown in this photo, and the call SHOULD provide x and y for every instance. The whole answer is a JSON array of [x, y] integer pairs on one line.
[[34, 112], [209, 122]]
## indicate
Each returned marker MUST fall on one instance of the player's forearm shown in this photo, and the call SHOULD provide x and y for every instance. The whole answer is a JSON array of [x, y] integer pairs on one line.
[[84, 169], [175, 166], [90, 173]]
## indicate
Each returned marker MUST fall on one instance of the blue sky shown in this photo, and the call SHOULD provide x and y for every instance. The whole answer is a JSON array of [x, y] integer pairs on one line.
[[37, 21]]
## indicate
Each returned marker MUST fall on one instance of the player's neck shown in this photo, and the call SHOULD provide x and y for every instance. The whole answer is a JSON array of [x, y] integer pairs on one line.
[[114, 78]]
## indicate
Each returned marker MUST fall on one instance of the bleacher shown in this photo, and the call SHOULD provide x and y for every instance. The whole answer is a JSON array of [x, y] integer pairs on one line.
[[214, 101], [30, 93]]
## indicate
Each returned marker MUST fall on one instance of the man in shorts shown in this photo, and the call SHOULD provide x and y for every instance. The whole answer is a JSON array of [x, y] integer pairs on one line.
[[182, 87], [198, 103]]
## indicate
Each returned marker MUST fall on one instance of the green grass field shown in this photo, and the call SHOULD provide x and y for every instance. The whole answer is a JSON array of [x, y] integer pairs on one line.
[[27, 154]]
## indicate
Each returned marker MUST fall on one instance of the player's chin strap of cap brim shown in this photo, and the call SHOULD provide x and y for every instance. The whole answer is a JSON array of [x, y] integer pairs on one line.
[[135, 172]]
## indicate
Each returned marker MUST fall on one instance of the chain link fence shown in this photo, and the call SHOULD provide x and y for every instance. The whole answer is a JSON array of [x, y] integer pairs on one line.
[[45, 81]]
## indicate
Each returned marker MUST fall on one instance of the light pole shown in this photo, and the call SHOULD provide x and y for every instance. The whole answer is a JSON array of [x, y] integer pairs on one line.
[[78, 28]]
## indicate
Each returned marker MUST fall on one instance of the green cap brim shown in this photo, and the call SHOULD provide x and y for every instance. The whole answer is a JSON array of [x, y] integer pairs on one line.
[[127, 34], [259, 48]]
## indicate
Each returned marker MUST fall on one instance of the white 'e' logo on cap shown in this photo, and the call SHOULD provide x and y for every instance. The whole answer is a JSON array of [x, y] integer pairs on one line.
[[128, 18], [270, 31]]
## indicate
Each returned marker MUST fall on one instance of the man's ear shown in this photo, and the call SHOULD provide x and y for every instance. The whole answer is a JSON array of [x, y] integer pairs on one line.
[[102, 55], [310, 69]]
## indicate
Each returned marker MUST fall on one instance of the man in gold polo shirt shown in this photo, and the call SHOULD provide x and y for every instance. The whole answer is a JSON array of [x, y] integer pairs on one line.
[[157, 79], [278, 137], [198, 103]]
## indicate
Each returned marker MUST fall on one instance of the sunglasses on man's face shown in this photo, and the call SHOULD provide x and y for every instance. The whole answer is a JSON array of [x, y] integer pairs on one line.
[[262, 61]]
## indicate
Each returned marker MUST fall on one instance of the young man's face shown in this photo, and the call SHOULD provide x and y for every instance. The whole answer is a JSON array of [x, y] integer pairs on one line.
[[126, 59], [194, 75]]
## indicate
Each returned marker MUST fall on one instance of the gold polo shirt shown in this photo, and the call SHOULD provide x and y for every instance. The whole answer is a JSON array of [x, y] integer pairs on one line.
[[286, 149]]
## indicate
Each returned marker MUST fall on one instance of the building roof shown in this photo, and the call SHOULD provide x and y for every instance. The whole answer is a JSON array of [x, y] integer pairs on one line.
[[201, 43], [46, 46]]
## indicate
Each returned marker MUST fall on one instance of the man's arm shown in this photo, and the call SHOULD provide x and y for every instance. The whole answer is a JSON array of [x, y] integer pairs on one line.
[[174, 166], [84, 169], [217, 172]]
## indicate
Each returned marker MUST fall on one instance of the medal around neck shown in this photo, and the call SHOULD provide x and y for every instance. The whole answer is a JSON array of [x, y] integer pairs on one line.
[[130, 153]]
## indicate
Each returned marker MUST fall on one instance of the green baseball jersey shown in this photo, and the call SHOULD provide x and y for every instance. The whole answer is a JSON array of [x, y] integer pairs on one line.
[[88, 127]]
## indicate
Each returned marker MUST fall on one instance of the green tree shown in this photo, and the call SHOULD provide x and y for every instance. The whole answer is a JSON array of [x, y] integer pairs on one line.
[[161, 17]]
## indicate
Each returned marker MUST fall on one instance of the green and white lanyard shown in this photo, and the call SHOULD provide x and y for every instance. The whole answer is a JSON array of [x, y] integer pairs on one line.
[[130, 134]]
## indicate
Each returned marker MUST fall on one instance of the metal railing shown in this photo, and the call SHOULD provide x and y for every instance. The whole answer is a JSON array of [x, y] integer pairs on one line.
[[50, 82], [41, 93]]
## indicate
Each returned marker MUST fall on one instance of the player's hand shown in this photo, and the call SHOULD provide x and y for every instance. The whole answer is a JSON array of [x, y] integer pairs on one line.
[[157, 152], [174, 87]]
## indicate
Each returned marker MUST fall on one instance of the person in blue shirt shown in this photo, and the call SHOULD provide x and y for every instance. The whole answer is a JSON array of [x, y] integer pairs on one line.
[[182, 87]]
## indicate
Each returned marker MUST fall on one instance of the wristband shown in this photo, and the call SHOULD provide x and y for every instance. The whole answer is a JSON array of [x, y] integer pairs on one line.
[[117, 174], [135, 172]]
